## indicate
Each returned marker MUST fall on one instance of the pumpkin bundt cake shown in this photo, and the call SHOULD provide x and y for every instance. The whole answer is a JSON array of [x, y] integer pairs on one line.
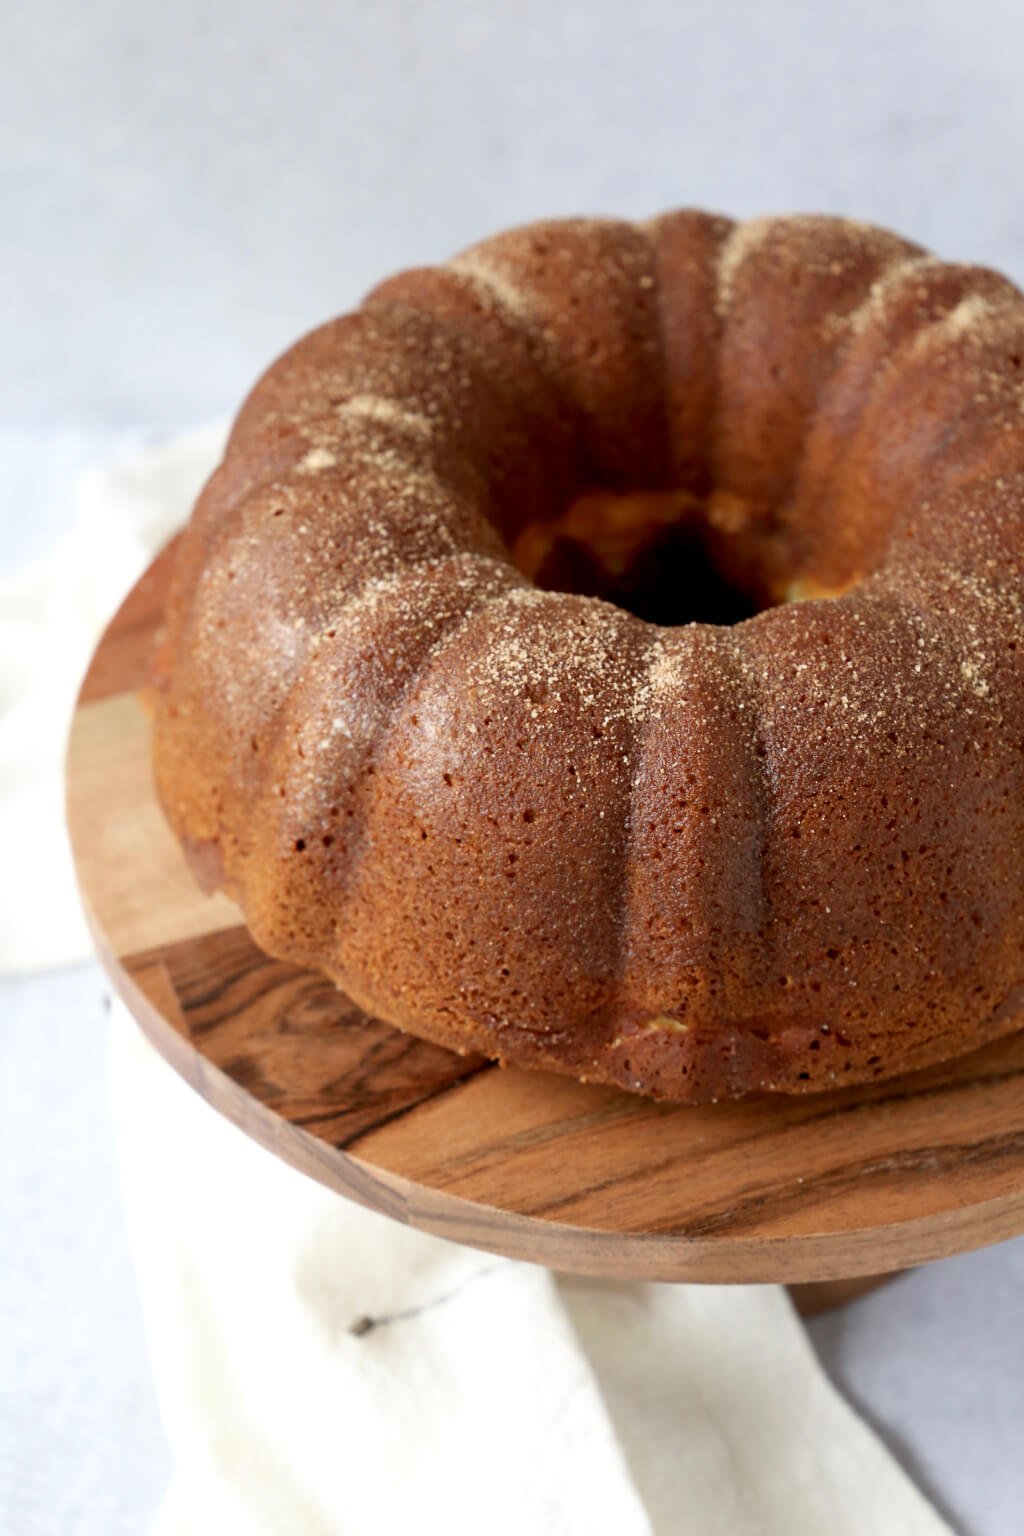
[[605, 652]]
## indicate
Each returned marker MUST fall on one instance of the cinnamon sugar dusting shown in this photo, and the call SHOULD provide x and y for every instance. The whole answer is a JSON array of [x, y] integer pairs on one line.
[[693, 859], [740, 244], [511, 296], [316, 460], [876, 304], [379, 408]]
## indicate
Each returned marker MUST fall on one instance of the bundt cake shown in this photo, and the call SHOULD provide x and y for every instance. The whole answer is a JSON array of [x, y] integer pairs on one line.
[[605, 652]]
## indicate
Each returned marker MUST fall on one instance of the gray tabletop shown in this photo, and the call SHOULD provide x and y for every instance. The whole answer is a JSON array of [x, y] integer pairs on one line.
[[184, 190]]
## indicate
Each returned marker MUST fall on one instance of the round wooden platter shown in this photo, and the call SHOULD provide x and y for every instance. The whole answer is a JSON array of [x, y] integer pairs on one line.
[[815, 1190]]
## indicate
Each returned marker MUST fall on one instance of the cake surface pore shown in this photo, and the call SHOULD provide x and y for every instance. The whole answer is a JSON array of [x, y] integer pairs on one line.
[[431, 704]]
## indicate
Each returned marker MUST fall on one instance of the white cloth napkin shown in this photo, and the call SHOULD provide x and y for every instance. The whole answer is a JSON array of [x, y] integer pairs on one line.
[[324, 1371]]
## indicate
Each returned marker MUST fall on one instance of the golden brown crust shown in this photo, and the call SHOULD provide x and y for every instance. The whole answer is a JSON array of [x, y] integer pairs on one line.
[[695, 861]]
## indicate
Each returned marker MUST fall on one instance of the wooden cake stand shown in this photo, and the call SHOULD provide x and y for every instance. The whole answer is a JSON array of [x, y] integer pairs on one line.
[[820, 1191]]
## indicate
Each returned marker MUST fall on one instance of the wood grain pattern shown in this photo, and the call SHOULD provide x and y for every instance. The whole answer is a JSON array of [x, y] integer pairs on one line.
[[144, 893], [815, 1189], [121, 663]]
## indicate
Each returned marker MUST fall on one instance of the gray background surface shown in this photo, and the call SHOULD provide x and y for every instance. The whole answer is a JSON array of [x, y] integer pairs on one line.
[[183, 189], [187, 187]]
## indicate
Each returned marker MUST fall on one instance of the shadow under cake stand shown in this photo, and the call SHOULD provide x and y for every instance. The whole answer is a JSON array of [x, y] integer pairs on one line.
[[825, 1192]]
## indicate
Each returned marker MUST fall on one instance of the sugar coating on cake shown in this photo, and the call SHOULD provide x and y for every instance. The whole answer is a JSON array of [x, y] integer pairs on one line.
[[410, 713]]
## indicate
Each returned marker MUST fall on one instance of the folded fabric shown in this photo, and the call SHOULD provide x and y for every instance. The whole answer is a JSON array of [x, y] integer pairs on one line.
[[321, 1369]]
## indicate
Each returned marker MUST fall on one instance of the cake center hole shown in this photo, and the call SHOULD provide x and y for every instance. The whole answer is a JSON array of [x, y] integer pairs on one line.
[[645, 551]]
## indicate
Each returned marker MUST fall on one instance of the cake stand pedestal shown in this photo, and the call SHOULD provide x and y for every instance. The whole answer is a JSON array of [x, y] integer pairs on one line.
[[825, 1192]]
